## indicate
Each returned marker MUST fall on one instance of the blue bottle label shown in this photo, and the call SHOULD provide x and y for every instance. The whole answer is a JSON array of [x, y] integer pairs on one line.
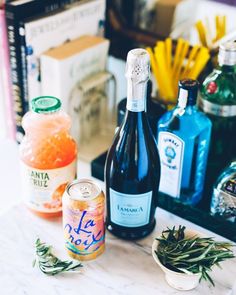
[[171, 150], [130, 210]]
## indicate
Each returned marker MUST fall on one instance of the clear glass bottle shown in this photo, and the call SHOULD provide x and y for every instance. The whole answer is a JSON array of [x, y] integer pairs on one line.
[[132, 169], [218, 102], [183, 143], [223, 201], [48, 156]]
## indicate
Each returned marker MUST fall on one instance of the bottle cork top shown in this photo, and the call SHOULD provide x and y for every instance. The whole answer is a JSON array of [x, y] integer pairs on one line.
[[138, 65]]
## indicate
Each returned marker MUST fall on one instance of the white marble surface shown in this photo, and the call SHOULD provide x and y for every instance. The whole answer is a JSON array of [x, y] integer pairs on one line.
[[124, 268]]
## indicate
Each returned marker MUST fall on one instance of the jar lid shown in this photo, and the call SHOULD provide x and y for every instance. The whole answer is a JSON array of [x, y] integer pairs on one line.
[[45, 104]]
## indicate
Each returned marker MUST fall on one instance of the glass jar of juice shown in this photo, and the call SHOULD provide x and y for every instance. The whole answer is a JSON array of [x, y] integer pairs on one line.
[[48, 156]]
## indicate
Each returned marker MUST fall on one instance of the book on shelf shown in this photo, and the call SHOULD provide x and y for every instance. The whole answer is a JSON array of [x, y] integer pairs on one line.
[[44, 32], [64, 70], [16, 12], [3, 117], [6, 97]]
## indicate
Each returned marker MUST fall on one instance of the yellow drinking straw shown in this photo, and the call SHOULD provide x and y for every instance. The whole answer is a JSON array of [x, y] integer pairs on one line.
[[176, 76], [155, 71], [192, 57], [159, 52], [205, 34], [201, 60], [201, 32], [168, 49]]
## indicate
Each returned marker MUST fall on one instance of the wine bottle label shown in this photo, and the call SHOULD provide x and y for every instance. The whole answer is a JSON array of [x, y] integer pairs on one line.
[[171, 150], [130, 210], [136, 97], [216, 109], [43, 189], [135, 105]]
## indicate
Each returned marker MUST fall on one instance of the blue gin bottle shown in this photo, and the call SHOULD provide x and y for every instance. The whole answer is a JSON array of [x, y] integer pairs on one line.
[[183, 141]]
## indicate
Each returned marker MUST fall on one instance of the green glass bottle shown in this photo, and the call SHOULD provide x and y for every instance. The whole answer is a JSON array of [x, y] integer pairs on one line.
[[218, 101]]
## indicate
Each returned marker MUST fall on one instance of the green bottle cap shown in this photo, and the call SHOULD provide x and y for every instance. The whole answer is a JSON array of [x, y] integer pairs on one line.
[[45, 104]]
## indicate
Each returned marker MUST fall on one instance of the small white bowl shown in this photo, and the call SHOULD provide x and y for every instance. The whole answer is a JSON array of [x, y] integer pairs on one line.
[[177, 280]]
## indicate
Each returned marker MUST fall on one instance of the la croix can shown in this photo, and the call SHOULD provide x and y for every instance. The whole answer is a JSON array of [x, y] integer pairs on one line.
[[83, 207]]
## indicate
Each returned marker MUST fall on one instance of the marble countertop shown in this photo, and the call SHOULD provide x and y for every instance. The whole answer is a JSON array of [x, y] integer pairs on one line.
[[124, 268]]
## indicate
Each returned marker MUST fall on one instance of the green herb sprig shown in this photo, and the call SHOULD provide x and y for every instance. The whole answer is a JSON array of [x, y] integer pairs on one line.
[[191, 255], [48, 263]]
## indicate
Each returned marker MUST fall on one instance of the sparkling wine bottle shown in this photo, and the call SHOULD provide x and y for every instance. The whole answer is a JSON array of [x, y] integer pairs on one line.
[[183, 143], [132, 169]]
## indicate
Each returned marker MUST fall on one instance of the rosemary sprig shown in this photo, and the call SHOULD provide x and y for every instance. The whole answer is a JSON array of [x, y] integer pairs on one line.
[[191, 254], [48, 263]]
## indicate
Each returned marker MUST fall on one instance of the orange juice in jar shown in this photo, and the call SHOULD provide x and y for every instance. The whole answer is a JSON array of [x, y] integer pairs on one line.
[[48, 156]]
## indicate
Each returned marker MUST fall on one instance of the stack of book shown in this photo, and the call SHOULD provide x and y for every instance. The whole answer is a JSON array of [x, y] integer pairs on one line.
[[64, 72], [32, 27]]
